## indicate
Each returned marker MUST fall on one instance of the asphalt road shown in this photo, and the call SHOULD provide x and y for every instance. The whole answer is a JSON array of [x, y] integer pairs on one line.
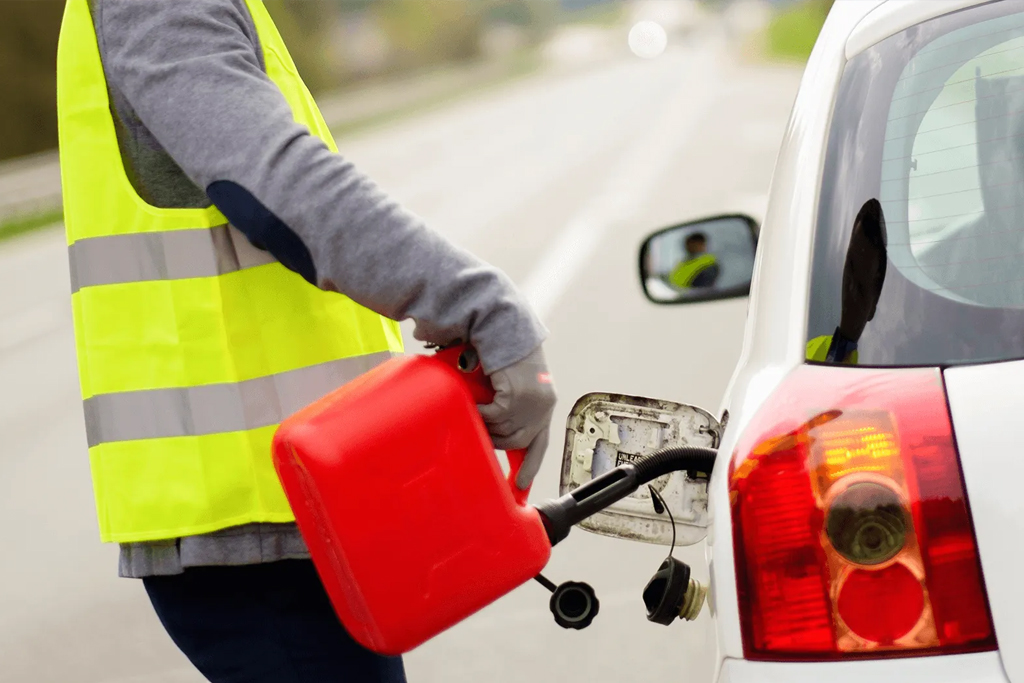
[[556, 179]]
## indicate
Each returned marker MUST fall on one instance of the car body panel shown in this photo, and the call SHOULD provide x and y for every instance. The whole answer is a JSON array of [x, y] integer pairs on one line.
[[982, 667], [892, 16], [776, 319], [774, 337], [986, 402]]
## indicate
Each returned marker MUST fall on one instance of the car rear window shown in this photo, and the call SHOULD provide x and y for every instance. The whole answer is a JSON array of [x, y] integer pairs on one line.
[[919, 243]]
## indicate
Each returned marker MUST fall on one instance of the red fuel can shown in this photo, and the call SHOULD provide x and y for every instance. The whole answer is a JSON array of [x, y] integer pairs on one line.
[[397, 491]]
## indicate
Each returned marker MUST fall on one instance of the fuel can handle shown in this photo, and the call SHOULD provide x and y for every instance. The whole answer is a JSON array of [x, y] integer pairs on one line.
[[464, 358]]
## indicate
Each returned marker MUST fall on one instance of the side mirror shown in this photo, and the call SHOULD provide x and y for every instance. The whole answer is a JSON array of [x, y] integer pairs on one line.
[[702, 260], [606, 430]]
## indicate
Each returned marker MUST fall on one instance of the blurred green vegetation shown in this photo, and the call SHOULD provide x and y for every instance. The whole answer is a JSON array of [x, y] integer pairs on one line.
[[430, 31], [335, 44], [794, 28], [24, 224]]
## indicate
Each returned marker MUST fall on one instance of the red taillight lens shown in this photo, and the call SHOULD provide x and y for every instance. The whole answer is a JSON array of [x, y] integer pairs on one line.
[[850, 521], [881, 606]]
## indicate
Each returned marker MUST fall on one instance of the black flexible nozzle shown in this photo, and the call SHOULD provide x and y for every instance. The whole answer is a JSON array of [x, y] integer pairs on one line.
[[674, 459], [561, 514]]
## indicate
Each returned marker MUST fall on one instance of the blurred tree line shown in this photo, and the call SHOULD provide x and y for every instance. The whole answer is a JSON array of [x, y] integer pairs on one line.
[[334, 43], [28, 79], [795, 26], [337, 42]]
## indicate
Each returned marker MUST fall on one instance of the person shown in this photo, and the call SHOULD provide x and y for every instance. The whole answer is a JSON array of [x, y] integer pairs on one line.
[[699, 268], [863, 277], [229, 267]]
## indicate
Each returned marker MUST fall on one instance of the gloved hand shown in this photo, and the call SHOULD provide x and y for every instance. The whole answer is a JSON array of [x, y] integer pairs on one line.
[[520, 416]]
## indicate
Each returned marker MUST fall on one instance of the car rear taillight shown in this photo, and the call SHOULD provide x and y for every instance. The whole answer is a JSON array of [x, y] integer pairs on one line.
[[850, 522]]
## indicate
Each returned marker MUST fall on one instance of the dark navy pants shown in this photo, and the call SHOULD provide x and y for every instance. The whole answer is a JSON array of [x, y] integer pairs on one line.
[[268, 623]]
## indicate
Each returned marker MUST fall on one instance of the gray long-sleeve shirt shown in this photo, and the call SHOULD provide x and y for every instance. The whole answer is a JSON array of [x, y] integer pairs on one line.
[[198, 118]]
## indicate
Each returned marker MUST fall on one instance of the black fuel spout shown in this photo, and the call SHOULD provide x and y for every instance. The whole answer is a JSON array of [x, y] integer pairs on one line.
[[561, 514]]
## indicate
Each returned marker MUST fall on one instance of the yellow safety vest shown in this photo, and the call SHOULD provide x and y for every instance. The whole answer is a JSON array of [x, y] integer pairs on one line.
[[685, 273], [817, 350], [192, 344]]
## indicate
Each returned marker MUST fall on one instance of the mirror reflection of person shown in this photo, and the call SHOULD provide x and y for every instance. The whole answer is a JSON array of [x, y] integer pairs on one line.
[[699, 268], [863, 277]]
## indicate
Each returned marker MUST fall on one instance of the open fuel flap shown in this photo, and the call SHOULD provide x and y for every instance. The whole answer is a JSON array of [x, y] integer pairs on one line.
[[607, 430]]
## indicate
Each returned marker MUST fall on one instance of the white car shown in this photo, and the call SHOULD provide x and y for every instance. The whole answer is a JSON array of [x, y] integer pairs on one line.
[[865, 517]]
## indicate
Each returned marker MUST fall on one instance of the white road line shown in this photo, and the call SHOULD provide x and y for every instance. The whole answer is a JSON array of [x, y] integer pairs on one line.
[[627, 186]]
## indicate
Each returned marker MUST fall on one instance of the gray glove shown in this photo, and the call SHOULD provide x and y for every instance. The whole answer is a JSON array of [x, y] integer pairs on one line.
[[520, 416]]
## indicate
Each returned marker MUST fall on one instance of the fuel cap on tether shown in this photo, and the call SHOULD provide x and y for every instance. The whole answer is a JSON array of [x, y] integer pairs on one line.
[[671, 594], [574, 604]]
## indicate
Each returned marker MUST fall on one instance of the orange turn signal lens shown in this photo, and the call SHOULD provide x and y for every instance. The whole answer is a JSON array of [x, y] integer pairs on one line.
[[857, 442]]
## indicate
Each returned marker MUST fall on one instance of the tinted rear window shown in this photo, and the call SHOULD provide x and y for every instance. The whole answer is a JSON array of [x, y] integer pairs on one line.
[[919, 246]]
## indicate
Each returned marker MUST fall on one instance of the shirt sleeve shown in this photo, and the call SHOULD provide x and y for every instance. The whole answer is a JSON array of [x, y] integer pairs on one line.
[[192, 73]]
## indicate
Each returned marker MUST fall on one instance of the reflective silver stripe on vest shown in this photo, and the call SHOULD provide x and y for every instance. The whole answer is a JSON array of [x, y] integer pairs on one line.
[[171, 255], [217, 408]]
